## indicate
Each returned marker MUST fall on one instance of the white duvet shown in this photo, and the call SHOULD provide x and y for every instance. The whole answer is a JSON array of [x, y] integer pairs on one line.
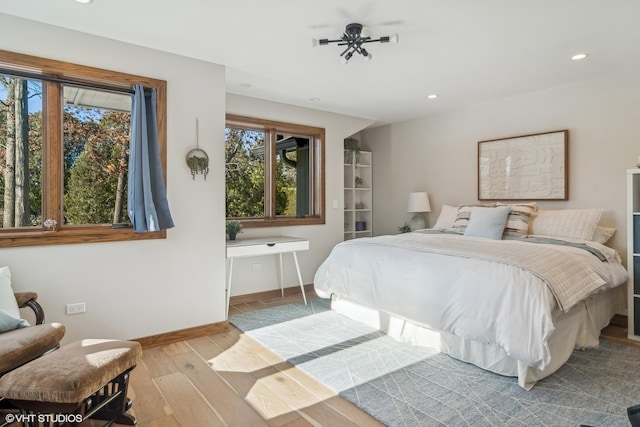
[[487, 301]]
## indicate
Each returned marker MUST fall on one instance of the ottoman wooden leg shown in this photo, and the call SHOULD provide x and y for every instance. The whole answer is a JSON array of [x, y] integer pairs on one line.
[[116, 410]]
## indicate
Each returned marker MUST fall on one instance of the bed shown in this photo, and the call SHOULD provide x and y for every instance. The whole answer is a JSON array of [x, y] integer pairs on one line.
[[513, 305]]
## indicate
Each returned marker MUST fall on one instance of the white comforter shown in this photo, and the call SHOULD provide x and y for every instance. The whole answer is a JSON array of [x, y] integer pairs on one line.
[[484, 300]]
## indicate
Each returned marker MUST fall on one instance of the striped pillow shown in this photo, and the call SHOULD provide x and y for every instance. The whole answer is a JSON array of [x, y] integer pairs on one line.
[[519, 218], [464, 212]]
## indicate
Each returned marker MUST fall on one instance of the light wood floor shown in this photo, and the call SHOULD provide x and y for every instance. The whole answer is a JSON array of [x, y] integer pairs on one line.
[[230, 380]]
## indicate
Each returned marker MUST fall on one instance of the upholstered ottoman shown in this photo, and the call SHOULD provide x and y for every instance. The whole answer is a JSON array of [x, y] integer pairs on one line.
[[87, 378]]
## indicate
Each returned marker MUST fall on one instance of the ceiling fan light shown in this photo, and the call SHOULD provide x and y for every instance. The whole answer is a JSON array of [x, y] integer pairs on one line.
[[353, 30], [353, 38]]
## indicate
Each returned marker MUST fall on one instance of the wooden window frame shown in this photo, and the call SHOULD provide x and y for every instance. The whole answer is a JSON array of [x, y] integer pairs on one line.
[[317, 144], [52, 146]]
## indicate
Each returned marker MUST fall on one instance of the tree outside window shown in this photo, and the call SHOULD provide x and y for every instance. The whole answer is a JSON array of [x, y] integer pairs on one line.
[[95, 157], [20, 152], [274, 172], [64, 148]]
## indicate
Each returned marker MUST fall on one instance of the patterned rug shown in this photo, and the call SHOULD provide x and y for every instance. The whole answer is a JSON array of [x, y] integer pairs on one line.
[[405, 385]]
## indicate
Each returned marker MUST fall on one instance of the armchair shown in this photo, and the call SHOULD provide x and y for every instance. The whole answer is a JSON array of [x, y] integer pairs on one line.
[[29, 299], [20, 346], [84, 379]]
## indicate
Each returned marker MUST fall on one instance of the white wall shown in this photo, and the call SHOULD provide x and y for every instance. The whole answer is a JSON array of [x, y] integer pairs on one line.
[[322, 237], [137, 289], [438, 154]]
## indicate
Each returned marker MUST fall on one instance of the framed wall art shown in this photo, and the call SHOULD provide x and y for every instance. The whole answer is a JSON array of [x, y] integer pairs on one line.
[[527, 167]]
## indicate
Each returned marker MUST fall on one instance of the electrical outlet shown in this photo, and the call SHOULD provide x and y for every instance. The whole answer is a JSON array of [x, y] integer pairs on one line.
[[76, 308], [257, 267]]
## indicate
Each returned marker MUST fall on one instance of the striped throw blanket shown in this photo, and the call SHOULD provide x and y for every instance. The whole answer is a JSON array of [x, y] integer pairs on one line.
[[569, 279]]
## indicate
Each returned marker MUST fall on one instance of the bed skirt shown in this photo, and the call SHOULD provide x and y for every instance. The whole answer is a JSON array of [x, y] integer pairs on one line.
[[579, 328]]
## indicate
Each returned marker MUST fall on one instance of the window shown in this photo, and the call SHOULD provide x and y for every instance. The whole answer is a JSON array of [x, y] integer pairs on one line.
[[64, 145], [274, 172]]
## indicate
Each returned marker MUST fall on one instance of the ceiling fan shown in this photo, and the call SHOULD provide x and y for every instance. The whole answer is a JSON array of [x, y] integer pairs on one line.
[[353, 38]]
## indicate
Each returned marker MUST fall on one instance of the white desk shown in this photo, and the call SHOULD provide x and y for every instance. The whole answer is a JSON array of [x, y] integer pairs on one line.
[[265, 246]]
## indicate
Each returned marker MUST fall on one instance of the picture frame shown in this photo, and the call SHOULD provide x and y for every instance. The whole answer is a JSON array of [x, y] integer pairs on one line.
[[526, 167]]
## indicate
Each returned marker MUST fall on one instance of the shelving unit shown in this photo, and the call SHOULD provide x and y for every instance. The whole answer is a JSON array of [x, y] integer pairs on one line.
[[633, 252], [357, 196]]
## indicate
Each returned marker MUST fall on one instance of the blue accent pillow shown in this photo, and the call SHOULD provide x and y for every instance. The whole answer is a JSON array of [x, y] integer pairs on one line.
[[487, 222], [9, 322]]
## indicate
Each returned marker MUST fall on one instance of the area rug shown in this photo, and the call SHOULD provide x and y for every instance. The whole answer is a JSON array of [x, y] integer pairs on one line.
[[405, 385]]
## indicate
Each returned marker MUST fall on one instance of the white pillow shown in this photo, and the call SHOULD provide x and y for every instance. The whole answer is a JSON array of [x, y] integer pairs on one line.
[[487, 222], [447, 217], [9, 310], [602, 234], [571, 223], [7, 299]]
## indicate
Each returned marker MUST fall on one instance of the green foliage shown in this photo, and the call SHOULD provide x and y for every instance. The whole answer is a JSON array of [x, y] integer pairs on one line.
[[33, 153], [245, 181], [35, 167], [291, 202], [96, 150], [405, 228], [198, 165], [351, 144], [233, 227], [351, 150], [96, 158], [244, 184]]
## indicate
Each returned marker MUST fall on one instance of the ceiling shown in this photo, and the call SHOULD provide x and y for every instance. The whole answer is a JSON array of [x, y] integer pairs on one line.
[[465, 51]]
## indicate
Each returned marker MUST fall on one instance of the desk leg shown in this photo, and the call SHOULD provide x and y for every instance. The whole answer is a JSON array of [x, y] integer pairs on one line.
[[281, 277], [229, 288], [295, 258]]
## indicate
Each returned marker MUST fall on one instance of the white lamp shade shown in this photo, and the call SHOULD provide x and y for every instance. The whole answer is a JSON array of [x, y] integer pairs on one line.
[[418, 202]]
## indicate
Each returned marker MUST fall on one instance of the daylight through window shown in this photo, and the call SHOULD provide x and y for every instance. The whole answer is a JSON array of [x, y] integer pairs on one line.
[[274, 172], [64, 148]]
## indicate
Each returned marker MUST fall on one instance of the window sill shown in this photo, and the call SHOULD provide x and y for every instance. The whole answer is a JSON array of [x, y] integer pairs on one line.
[[279, 222], [71, 235]]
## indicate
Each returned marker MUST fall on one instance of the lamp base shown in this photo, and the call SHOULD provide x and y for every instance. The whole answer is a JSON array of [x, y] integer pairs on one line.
[[417, 222]]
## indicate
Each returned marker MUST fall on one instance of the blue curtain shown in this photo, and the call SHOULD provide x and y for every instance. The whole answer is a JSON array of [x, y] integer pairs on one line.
[[147, 198]]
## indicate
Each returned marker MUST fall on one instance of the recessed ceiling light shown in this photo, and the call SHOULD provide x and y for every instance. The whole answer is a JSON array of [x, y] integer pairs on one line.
[[432, 96], [579, 56], [314, 99], [245, 84], [84, 1]]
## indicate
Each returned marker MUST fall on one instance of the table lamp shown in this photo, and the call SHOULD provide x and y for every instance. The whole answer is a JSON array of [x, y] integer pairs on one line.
[[418, 204]]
